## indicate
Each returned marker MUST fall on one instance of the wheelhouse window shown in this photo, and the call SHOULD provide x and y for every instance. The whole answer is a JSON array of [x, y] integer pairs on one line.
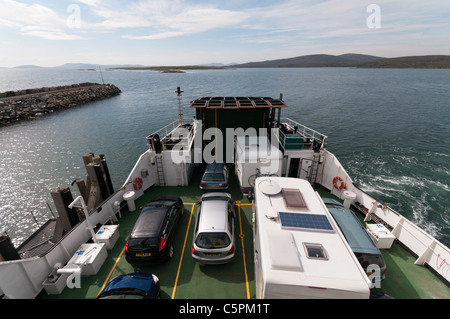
[[315, 251]]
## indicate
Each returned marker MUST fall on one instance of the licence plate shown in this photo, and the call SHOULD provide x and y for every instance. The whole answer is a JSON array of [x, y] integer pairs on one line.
[[213, 255], [213, 185], [143, 254]]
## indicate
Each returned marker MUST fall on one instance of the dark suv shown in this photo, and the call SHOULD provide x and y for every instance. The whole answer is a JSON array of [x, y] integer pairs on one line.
[[152, 236]]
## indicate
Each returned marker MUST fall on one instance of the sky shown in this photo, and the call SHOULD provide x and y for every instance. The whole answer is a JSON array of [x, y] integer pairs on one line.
[[187, 32]]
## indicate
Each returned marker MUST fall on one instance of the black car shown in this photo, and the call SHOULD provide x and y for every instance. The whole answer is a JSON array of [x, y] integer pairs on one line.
[[152, 236]]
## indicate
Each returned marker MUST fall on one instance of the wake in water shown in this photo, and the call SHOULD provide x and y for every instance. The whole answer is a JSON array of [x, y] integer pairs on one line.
[[414, 184]]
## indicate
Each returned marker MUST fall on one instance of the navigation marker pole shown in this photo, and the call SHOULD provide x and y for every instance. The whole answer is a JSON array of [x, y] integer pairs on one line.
[[99, 67]]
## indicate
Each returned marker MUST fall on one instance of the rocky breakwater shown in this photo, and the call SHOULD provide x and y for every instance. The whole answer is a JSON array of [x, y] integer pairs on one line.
[[28, 104]]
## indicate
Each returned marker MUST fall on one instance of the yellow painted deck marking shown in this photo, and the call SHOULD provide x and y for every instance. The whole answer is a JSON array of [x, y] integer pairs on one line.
[[241, 235], [112, 269], [123, 250], [182, 251]]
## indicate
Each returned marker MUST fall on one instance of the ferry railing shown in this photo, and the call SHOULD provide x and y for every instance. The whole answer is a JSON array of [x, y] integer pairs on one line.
[[30, 273], [427, 249], [158, 141], [311, 135], [14, 229]]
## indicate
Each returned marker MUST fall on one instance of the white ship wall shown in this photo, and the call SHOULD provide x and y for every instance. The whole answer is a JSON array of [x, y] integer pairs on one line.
[[427, 248], [23, 278]]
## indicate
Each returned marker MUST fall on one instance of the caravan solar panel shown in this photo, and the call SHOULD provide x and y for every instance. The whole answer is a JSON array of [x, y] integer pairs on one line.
[[305, 221]]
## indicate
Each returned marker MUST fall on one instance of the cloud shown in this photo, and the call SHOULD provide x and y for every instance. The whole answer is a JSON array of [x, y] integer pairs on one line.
[[162, 19], [35, 20], [267, 29], [157, 36], [324, 25], [276, 22], [92, 3], [48, 33], [198, 20]]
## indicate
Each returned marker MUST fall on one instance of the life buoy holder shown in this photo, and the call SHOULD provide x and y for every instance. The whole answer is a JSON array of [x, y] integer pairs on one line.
[[137, 183], [341, 184]]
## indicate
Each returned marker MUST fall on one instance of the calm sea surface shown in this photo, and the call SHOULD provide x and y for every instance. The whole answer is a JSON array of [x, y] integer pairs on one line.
[[389, 128]]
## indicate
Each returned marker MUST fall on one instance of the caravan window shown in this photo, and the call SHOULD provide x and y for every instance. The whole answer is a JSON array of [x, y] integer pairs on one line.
[[315, 251]]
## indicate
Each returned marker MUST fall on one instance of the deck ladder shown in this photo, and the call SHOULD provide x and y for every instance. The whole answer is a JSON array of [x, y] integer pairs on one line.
[[160, 170], [314, 169]]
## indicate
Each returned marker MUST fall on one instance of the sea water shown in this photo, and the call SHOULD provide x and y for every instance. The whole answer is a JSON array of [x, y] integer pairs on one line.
[[390, 128]]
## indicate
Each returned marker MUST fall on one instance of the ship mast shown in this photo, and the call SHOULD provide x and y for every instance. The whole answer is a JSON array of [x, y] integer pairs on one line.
[[180, 110]]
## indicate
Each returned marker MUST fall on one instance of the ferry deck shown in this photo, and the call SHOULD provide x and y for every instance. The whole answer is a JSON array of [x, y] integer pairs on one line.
[[182, 278]]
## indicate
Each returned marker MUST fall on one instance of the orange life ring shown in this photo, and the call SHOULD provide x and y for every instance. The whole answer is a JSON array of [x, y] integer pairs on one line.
[[341, 183], [137, 183]]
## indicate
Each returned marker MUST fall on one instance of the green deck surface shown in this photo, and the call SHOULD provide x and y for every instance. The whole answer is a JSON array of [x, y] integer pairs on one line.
[[182, 278], [405, 280]]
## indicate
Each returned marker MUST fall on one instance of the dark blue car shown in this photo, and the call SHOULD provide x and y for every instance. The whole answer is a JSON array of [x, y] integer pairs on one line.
[[132, 286]]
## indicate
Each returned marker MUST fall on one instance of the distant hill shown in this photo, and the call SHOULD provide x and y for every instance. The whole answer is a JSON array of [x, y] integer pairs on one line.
[[91, 66], [27, 67], [219, 64], [417, 62], [315, 60], [77, 66], [360, 57], [353, 60]]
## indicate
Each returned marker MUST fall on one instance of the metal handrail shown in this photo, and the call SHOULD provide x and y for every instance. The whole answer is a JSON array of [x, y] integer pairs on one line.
[[312, 133], [303, 131], [166, 131]]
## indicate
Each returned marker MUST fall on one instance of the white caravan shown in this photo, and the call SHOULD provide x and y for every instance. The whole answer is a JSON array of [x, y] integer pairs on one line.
[[255, 156], [299, 250]]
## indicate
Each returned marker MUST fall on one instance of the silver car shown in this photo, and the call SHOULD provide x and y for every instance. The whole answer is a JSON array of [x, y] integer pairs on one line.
[[213, 240]]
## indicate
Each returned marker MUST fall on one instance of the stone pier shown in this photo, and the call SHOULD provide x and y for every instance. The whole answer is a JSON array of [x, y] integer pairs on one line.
[[16, 106]]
